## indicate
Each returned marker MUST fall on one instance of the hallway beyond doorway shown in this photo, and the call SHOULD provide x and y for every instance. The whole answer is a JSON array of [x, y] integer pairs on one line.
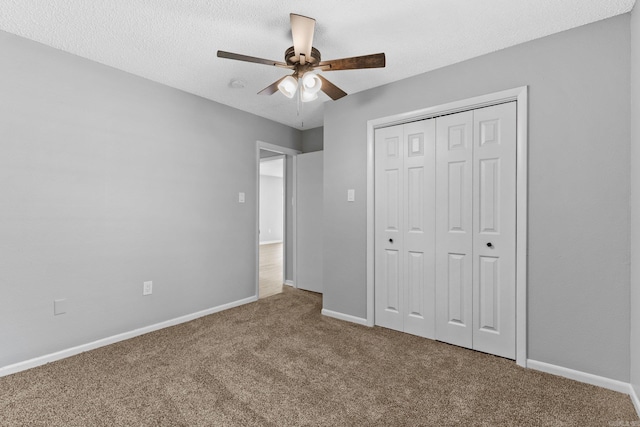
[[270, 269]]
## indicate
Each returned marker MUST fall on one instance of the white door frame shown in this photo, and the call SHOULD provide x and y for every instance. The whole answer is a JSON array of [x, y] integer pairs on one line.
[[520, 96], [286, 152]]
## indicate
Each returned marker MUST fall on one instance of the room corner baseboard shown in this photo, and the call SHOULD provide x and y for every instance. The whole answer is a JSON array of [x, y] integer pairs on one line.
[[290, 283], [62, 354], [634, 398], [342, 316], [580, 376]]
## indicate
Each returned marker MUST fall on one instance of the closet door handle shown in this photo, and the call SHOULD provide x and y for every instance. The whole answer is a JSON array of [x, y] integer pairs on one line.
[[489, 245], [390, 240]]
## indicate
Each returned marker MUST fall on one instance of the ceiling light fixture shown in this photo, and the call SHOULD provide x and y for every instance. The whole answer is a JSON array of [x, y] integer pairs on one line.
[[288, 86], [310, 84]]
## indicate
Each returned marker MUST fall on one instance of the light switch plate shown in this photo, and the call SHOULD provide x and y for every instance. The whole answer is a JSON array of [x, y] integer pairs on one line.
[[240, 197], [147, 288], [351, 195], [59, 306]]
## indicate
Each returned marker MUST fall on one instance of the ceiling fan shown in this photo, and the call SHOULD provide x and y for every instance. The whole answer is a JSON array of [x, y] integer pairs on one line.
[[303, 58]]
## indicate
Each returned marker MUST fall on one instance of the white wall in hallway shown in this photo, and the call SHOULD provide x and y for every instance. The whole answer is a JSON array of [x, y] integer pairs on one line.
[[271, 202]]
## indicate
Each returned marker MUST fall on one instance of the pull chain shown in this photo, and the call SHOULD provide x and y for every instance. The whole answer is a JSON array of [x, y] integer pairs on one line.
[[300, 103]]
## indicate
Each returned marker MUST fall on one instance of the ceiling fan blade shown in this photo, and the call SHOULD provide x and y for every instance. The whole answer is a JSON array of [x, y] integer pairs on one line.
[[272, 88], [330, 89], [377, 60], [245, 58], [302, 29]]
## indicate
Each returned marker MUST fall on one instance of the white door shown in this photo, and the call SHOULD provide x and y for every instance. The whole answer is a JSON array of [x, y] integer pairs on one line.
[[404, 234], [494, 225], [454, 233], [309, 199]]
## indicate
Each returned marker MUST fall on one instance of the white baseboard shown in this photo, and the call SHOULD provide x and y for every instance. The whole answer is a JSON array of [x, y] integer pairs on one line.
[[48, 358], [583, 377], [269, 242], [289, 283], [634, 398], [342, 316]]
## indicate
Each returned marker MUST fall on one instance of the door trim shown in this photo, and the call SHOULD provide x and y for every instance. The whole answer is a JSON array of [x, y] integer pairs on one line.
[[285, 152], [520, 95]]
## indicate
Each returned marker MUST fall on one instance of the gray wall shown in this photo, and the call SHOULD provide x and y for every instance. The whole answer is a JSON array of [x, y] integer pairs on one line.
[[265, 154], [635, 199], [108, 180], [578, 186], [312, 140]]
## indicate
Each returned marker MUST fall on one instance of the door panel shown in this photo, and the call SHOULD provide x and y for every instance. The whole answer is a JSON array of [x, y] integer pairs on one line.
[[489, 289], [388, 225], [404, 196], [392, 280], [453, 228], [419, 197], [415, 284], [494, 246], [392, 184], [455, 287]]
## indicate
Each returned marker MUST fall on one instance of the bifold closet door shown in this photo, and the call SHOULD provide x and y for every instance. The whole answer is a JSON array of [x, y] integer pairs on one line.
[[475, 229], [494, 224], [404, 233], [389, 166], [454, 232]]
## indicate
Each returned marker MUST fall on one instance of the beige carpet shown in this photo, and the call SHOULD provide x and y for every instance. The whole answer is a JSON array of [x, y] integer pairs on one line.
[[278, 362]]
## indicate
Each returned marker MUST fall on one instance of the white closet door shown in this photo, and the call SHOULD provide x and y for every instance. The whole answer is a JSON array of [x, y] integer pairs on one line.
[[454, 233], [445, 222], [389, 163], [494, 224], [404, 197], [419, 216]]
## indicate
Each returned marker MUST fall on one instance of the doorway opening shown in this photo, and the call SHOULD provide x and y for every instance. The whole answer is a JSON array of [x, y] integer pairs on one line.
[[275, 225], [272, 223]]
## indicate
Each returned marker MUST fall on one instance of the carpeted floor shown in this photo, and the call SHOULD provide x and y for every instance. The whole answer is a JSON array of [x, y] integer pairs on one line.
[[278, 362]]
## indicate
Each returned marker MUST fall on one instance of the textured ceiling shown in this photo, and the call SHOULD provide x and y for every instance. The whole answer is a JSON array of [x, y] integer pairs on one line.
[[174, 42]]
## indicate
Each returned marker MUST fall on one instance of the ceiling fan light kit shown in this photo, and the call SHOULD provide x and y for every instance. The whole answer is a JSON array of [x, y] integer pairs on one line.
[[309, 85], [288, 86], [303, 59]]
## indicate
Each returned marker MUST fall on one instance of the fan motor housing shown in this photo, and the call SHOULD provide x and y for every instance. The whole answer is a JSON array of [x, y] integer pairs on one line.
[[290, 53]]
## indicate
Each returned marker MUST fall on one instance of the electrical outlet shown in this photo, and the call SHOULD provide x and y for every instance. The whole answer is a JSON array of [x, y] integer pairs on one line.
[[147, 288]]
